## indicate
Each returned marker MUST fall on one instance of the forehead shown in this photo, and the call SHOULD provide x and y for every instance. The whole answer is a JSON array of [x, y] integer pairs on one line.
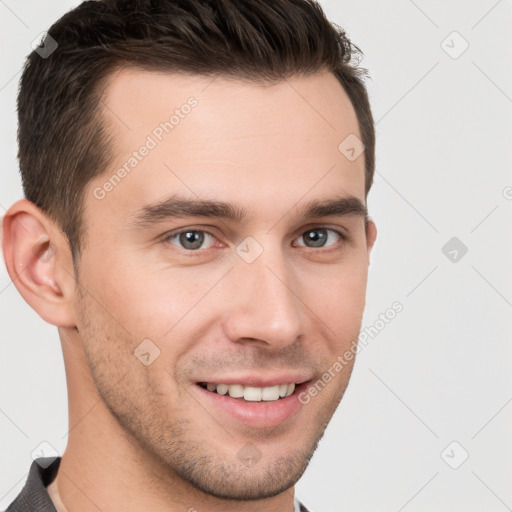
[[224, 138]]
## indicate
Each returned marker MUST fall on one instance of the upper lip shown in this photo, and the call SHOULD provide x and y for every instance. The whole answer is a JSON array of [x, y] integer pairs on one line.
[[259, 381]]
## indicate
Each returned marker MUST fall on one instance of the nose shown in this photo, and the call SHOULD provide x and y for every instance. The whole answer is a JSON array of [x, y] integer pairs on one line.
[[266, 305]]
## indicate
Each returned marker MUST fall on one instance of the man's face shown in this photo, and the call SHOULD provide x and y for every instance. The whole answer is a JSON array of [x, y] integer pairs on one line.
[[266, 300]]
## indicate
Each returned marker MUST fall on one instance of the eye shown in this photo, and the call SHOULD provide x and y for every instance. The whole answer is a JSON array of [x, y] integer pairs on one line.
[[318, 237], [193, 239], [190, 239]]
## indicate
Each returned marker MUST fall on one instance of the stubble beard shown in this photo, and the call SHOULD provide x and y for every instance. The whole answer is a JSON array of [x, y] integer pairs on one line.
[[177, 448]]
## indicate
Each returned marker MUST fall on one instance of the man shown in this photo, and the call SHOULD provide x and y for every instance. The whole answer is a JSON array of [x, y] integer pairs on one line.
[[195, 225]]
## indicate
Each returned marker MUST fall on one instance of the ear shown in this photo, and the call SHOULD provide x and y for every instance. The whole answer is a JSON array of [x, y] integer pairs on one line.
[[38, 259], [371, 236]]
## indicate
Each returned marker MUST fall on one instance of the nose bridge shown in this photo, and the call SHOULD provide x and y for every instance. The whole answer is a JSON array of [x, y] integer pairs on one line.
[[266, 307]]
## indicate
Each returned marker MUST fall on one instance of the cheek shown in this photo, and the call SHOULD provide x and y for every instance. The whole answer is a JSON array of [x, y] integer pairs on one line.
[[146, 303], [168, 306], [337, 294]]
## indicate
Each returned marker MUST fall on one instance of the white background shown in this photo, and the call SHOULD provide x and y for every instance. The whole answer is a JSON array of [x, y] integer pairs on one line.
[[439, 372]]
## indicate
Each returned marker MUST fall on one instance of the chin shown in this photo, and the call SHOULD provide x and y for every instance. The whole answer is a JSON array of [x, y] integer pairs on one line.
[[247, 483]]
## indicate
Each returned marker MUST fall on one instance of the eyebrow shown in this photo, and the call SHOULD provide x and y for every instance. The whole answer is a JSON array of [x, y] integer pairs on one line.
[[179, 207]]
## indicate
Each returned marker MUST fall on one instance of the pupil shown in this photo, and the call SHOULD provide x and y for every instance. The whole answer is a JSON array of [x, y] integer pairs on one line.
[[192, 239], [317, 237]]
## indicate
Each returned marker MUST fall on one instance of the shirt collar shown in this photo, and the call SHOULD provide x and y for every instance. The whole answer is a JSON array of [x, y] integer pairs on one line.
[[34, 495]]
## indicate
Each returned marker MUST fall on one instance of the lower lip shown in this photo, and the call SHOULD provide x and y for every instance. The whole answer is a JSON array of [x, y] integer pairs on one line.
[[255, 414]]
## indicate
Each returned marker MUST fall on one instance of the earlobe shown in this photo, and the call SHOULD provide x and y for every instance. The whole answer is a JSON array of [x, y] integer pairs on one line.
[[33, 248]]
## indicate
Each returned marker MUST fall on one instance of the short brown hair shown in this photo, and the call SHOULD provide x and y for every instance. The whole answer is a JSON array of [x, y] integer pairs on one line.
[[62, 142]]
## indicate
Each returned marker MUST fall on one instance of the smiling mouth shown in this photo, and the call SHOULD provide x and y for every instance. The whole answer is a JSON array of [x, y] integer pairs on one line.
[[251, 393]]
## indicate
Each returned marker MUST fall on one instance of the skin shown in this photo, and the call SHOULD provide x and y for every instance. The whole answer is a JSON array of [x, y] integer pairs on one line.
[[140, 436]]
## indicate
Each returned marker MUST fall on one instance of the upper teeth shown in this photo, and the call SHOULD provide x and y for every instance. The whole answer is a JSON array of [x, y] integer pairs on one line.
[[251, 393]]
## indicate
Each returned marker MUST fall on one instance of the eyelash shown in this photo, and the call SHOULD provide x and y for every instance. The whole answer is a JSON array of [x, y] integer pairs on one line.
[[193, 252]]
